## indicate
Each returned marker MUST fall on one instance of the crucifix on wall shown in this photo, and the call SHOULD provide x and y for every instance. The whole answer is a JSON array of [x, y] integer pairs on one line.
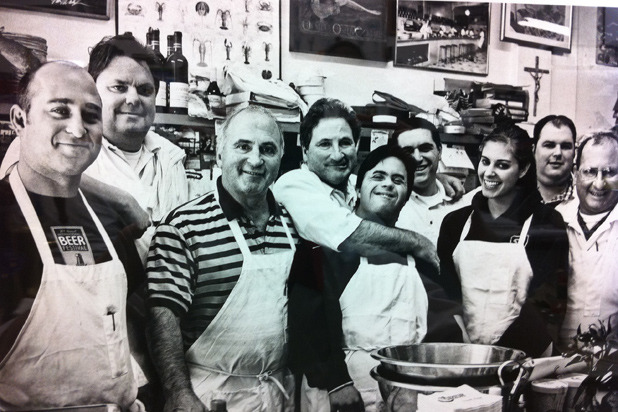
[[536, 73]]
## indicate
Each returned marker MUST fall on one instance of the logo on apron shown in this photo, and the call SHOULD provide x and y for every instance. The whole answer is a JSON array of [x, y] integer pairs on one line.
[[73, 244]]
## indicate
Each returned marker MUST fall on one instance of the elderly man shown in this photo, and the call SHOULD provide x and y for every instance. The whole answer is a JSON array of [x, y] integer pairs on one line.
[[320, 195], [592, 225], [554, 147], [63, 334], [217, 273], [132, 157], [428, 202]]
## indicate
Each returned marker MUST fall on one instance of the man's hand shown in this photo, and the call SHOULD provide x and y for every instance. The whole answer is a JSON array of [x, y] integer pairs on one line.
[[346, 399], [452, 186], [184, 400], [426, 256], [123, 203]]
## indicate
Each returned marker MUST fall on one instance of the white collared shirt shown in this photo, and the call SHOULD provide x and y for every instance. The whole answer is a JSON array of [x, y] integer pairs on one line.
[[424, 214], [317, 215]]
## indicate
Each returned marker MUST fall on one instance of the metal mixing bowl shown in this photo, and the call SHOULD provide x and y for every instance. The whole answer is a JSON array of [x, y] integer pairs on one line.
[[445, 364]]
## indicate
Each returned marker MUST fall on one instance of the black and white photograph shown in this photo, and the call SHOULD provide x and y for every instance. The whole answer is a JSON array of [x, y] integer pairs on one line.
[[308, 206], [443, 35]]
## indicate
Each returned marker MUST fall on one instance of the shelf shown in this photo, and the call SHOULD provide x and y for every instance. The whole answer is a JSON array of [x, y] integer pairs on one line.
[[182, 120]]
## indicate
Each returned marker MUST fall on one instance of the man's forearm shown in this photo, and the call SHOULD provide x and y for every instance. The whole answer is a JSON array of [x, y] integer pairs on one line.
[[371, 238], [166, 348]]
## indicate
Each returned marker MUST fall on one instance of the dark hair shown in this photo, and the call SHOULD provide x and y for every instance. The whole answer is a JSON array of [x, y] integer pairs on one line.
[[596, 138], [413, 124], [556, 120], [521, 143], [383, 152], [24, 92], [324, 108], [109, 48]]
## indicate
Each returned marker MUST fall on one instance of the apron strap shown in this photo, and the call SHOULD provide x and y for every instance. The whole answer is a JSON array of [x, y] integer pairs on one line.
[[240, 239], [262, 377], [25, 204]]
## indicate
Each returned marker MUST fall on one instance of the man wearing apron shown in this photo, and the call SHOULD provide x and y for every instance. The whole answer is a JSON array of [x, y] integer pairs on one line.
[[64, 342], [217, 274], [592, 227], [366, 303]]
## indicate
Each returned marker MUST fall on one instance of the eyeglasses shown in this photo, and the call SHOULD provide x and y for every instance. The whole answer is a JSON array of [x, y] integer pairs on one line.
[[591, 173]]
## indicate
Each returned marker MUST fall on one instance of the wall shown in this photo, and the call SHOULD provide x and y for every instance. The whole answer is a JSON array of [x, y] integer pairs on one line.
[[576, 86]]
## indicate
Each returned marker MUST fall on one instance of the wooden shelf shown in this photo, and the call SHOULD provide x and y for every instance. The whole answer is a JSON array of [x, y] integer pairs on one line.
[[191, 121]]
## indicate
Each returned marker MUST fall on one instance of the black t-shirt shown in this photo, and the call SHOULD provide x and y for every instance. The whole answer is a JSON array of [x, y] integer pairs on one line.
[[70, 231]]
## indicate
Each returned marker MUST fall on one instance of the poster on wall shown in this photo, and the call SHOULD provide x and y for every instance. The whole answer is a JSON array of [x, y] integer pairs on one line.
[[443, 35], [540, 25], [215, 33], [355, 28], [607, 36]]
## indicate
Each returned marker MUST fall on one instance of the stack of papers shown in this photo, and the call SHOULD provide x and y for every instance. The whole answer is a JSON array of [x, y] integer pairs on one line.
[[461, 399]]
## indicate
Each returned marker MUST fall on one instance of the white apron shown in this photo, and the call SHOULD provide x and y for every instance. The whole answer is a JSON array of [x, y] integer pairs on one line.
[[241, 356], [382, 305], [494, 283], [73, 348], [592, 291]]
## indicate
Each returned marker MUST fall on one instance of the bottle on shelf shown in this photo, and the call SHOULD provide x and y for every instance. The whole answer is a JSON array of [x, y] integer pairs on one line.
[[216, 100], [161, 98], [177, 67]]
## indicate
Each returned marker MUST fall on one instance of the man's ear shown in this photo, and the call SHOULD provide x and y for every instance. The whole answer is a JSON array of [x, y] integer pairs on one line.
[[533, 148], [304, 150], [18, 118]]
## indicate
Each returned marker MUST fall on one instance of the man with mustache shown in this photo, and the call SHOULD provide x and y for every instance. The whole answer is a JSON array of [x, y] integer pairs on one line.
[[63, 289], [428, 203], [554, 148]]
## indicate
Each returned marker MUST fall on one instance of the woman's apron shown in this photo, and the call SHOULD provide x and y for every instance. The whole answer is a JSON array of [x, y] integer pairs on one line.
[[494, 283], [73, 348], [382, 305], [241, 356], [592, 294]]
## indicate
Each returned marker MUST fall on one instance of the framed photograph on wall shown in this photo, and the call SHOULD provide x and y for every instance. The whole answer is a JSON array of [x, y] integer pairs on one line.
[[540, 25], [355, 29], [92, 9], [607, 36], [443, 35]]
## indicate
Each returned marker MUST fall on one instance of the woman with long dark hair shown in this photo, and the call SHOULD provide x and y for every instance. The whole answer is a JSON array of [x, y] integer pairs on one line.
[[506, 256]]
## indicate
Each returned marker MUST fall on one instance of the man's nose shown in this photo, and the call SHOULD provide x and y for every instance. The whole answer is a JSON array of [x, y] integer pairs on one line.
[[416, 154], [131, 96], [255, 157], [76, 127], [336, 152]]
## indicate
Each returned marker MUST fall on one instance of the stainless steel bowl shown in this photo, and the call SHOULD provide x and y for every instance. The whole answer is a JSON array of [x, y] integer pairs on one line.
[[403, 397], [445, 364]]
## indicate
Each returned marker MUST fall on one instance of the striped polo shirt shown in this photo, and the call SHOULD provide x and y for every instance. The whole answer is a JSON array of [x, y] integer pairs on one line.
[[194, 261]]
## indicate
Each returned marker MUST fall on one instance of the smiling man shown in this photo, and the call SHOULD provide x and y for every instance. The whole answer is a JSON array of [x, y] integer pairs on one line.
[[592, 227], [554, 148], [428, 202], [132, 157], [320, 195], [217, 273], [63, 287]]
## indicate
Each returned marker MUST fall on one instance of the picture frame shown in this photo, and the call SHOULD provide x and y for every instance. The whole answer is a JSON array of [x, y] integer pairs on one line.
[[447, 36], [538, 25], [215, 33], [90, 9], [358, 30], [607, 36]]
